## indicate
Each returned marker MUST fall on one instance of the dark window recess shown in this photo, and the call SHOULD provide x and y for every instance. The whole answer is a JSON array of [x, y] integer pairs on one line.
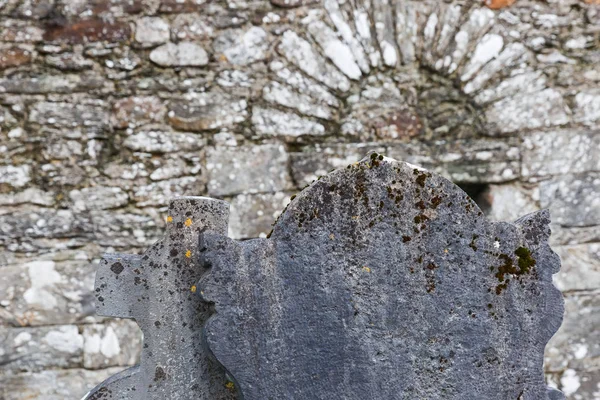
[[479, 193]]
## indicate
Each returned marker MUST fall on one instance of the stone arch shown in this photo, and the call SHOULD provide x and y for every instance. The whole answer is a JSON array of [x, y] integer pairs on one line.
[[401, 70]]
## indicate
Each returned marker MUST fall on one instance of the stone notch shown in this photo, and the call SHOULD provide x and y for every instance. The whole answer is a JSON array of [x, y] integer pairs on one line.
[[157, 290], [384, 281]]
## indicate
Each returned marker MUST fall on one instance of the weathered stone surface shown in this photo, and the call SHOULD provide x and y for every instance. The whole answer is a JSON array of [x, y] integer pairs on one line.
[[309, 165], [241, 47], [127, 230], [69, 62], [150, 31], [559, 152], [575, 346], [300, 53], [159, 193], [580, 267], [578, 384], [46, 292], [88, 30], [408, 102], [542, 109], [160, 141], [587, 107], [51, 384], [273, 122], [72, 116], [247, 170], [33, 349], [183, 54], [137, 110], [191, 27], [206, 111], [172, 6], [14, 30], [98, 198], [573, 199], [509, 201], [26, 84], [14, 56], [156, 289], [15, 175], [410, 289], [29, 195], [252, 215], [117, 342], [43, 223]]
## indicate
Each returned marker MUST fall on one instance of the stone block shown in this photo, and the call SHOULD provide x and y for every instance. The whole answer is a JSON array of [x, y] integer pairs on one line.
[[560, 152], [98, 198], [240, 47], [115, 343], [45, 291], [509, 201], [207, 111], [157, 140], [575, 345], [131, 112], [574, 200], [151, 31], [51, 384], [159, 193], [248, 169], [183, 54], [580, 267], [36, 349], [253, 215], [546, 108], [89, 30]]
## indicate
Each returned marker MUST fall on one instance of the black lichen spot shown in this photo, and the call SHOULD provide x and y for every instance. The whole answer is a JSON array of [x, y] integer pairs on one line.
[[157, 324], [101, 299], [436, 201], [421, 178], [159, 374], [117, 268], [472, 244], [173, 252], [421, 218], [406, 239], [420, 204]]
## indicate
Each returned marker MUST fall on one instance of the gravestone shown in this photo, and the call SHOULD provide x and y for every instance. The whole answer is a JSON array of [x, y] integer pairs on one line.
[[383, 281], [157, 290]]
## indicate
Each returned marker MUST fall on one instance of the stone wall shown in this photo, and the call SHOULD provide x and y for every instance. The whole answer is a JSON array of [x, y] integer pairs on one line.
[[110, 108]]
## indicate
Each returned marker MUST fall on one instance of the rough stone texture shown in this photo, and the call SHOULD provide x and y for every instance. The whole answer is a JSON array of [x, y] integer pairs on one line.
[[382, 280], [77, 84], [156, 289]]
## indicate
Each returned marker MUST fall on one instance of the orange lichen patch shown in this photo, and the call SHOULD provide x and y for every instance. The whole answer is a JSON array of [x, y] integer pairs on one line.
[[366, 269], [193, 289], [188, 222], [230, 385], [596, 2], [498, 4], [188, 253], [169, 219]]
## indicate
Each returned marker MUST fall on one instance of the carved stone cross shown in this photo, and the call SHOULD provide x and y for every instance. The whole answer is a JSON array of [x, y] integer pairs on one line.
[[379, 281]]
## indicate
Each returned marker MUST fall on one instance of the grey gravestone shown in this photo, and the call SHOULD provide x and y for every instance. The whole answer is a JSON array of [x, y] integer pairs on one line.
[[157, 290], [384, 281]]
